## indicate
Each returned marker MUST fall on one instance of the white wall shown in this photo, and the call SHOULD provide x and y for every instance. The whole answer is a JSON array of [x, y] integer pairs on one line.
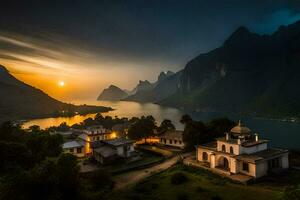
[[79, 155], [285, 161], [253, 149], [161, 141], [236, 147]]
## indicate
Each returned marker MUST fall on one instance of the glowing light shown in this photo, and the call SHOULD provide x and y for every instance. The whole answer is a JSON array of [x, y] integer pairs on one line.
[[113, 135], [61, 83]]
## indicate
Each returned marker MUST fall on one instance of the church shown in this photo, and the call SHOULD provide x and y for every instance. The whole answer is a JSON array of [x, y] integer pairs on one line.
[[242, 152]]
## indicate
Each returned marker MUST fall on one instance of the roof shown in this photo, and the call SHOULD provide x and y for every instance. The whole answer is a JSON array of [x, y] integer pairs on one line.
[[72, 144], [210, 145], [245, 143], [118, 141], [84, 137], [240, 129], [105, 151], [172, 134], [64, 133], [261, 155]]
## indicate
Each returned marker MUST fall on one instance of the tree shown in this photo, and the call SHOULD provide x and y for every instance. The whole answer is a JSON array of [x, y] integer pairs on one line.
[[194, 133], [185, 119], [165, 125], [11, 132], [217, 127], [142, 128], [14, 155], [68, 173]]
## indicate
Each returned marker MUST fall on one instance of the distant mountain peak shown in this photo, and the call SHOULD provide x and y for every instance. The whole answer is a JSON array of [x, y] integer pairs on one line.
[[112, 93], [113, 87], [241, 34]]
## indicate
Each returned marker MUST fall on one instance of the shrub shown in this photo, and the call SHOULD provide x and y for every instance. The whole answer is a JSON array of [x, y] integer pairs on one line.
[[178, 178], [182, 196], [216, 197], [154, 185]]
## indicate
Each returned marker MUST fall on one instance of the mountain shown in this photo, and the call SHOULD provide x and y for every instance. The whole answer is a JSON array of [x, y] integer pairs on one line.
[[249, 73], [21, 101], [165, 85], [112, 93]]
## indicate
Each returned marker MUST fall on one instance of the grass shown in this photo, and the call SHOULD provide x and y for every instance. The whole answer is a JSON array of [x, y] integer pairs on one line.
[[200, 185], [156, 150], [147, 158]]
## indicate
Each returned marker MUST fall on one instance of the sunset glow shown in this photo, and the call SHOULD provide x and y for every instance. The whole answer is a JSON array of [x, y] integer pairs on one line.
[[61, 83]]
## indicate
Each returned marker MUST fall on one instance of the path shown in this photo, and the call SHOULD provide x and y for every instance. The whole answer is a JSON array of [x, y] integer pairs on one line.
[[130, 178]]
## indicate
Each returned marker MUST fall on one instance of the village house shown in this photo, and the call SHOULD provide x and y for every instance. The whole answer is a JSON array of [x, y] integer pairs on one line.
[[108, 151], [75, 148], [241, 152], [93, 134], [172, 138]]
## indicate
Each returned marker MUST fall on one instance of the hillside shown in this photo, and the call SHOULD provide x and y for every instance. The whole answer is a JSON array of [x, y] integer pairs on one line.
[[165, 86], [250, 73], [112, 93], [21, 101]]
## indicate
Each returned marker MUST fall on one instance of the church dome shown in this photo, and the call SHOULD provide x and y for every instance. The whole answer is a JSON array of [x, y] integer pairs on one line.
[[240, 129]]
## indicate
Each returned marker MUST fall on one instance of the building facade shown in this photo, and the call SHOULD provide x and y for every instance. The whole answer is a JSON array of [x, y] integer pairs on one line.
[[75, 148], [172, 138], [110, 150], [241, 152]]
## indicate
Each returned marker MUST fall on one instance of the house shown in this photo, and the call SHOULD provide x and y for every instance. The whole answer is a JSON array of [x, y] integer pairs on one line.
[[172, 138], [74, 147], [242, 152], [93, 134], [108, 151]]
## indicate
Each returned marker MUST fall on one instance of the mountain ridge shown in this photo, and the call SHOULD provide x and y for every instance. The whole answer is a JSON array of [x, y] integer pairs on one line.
[[22, 101]]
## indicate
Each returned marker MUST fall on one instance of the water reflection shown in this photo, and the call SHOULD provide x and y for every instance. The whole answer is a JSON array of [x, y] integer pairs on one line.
[[122, 109], [281, 134]]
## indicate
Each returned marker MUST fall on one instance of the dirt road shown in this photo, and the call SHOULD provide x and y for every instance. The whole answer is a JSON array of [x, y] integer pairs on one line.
[[130, 178]]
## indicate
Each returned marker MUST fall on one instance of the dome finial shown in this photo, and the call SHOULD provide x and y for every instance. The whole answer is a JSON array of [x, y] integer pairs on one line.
[[240, 123]]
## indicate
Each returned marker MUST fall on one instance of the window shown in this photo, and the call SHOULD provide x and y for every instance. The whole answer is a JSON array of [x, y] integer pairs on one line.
[[245, 166], [204, 156], [223, 148], [171, 141], [98, 138], [231, 150], [71, 150], [161, 140], [165, 141], [78, 150], [175, 141], [180, 142]]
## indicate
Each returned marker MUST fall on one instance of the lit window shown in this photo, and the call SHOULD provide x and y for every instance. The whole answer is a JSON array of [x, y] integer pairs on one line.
[[78, 150]]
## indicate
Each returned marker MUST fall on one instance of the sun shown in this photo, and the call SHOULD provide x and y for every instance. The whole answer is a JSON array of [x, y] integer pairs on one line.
[[61, 83]]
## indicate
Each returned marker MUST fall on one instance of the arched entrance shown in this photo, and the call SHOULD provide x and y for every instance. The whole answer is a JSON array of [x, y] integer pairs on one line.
[[223, 163]]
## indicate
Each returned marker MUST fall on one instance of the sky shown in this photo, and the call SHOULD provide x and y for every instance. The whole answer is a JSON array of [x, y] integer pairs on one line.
[[91, 44]]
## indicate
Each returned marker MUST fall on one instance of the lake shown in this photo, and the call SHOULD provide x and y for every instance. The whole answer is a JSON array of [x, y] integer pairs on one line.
[[281, 134]]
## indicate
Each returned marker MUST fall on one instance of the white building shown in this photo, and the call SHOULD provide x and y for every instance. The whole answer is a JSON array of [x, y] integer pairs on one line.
[[241, 152], [74, 147], [172, 138], [93, 134], [110, 150]]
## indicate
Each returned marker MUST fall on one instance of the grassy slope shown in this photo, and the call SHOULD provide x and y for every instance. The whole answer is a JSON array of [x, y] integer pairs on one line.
[[201, 185]]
